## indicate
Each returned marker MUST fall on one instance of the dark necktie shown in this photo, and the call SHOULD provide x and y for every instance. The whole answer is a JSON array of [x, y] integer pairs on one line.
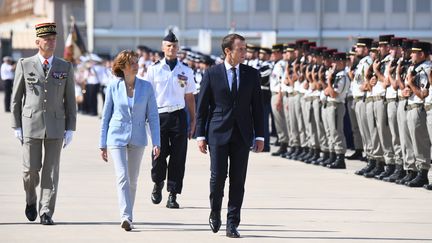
[[234, 83], [45, 67]]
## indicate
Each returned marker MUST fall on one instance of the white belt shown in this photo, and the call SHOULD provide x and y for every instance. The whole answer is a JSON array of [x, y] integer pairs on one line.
[[169, 109]]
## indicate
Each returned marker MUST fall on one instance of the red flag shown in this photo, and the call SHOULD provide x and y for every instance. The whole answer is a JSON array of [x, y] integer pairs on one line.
[[74, 46]]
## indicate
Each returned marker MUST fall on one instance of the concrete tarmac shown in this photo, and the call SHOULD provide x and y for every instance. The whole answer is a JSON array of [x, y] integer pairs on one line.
[[285, 201]]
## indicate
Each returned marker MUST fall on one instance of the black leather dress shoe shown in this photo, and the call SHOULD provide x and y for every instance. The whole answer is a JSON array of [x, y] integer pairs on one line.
[[215, 221], [31, 212], [46, 220], [156, 195], [232, 232], [172, 201]]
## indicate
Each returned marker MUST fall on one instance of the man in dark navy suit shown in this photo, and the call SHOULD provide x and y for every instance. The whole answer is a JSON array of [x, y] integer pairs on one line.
[[230, 120]]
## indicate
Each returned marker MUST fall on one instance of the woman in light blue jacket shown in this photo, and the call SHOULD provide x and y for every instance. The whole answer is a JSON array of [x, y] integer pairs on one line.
[[129, 105]]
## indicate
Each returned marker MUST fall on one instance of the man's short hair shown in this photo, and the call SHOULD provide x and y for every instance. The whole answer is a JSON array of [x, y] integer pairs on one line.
[[228, 41]]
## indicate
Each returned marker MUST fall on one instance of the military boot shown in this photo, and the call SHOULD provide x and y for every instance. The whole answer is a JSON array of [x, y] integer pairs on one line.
[[309, 155], [339, 163], [389, 169], [324, 157], [369, 167], [282, 150], [398, 174], [420, 180], [315, 156], [304, 152], [379, 168], [410, 175], [331, 159], [297, 152]]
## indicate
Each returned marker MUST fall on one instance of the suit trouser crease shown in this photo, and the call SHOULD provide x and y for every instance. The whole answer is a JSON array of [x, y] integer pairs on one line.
[[127, 162], [173, 127], [50, 172], [384, 135], [238, 153]]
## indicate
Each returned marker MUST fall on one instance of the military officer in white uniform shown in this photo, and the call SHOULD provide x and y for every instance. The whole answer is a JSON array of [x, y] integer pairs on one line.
[[44, 118], [174, 85]]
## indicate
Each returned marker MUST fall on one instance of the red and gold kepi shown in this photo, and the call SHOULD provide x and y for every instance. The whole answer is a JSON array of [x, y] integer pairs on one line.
[[45, 29]]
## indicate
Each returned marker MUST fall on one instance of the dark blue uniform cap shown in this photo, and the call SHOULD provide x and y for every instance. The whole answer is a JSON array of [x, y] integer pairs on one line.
[[170, 37]]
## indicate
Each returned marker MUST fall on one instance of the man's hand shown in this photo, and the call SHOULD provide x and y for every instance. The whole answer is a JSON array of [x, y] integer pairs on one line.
[[67, 138], [376, 64], [373, 81], [104, 154], [156, 152], [406, 92], [202, 145], [19, 134], [410, 78], [258, 146]]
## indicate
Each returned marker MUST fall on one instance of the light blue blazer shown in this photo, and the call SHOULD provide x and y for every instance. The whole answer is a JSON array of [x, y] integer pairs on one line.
[[122, 126]]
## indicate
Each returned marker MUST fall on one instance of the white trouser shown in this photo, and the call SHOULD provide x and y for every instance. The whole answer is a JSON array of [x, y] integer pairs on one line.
[[127, 161]]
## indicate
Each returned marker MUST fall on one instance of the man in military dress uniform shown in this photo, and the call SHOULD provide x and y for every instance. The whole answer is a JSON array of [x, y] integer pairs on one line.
[[378, 95], [337, 89], [392, 102], [417, 90], [404, 136], [44, 118], [359, 95], [174, 85], [277, 98]]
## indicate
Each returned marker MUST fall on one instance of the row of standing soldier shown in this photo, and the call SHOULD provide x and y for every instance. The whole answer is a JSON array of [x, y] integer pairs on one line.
[[385, 87]]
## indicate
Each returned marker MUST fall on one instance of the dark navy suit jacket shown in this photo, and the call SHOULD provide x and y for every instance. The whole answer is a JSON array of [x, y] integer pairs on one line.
[[218, 112]]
